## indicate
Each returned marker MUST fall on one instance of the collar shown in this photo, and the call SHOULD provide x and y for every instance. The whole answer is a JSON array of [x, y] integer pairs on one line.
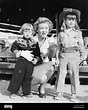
[[71, 29], [27, 38]]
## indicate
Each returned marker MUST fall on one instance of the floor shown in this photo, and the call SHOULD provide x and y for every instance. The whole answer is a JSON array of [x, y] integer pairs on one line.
[[4, 95]]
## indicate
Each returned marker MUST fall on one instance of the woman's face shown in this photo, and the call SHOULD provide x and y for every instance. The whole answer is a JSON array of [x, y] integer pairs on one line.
[[43, 29], [27, 33], [70, 21]]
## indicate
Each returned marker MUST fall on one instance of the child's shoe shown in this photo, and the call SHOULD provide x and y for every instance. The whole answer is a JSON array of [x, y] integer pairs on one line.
[[73, 98], [59, 96], [12, 96], [28, 96]]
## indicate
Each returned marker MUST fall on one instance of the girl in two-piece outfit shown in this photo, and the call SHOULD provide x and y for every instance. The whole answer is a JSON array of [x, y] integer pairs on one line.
[[71, 50]]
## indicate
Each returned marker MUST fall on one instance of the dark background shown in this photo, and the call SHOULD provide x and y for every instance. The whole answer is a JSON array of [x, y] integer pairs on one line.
[[18, 12]]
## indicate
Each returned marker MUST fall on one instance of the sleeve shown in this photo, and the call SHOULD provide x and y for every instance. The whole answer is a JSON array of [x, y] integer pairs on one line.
[[37, 55], [81, 43], [14, 47], [60, 39], [37, 50]]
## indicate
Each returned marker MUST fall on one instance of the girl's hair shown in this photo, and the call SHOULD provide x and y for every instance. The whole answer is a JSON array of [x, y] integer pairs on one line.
[[64, 27], [43, 20], [26, 26]]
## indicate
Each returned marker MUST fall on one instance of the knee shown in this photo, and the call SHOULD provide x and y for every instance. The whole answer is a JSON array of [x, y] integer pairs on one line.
[[70, 72], [63, 72], [52, 68], [43, 79]]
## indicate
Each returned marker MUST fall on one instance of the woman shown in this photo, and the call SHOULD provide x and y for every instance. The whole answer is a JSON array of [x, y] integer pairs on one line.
[[27, 53], [43, 26]]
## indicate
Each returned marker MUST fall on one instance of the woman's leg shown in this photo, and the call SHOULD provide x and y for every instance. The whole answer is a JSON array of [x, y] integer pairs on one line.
[[43, 82], [44, 79], [41, 88]]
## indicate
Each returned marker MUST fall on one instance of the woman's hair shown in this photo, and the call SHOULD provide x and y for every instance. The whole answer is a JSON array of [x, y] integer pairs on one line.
[[26, 26], [43, 20], [64, 27]]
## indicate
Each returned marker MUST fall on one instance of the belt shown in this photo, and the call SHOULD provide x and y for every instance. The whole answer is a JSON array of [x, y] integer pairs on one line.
[[69, 49]]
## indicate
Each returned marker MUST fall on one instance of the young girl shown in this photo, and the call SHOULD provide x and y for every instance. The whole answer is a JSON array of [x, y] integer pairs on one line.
[[71, 49], [27, 52], [43, 27]]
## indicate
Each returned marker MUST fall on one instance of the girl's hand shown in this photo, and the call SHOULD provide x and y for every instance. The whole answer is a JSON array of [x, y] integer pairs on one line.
[[57, 61], [27, 55]]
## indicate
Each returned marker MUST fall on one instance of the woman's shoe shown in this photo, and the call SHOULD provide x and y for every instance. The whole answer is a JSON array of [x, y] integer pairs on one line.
[[41, 95]]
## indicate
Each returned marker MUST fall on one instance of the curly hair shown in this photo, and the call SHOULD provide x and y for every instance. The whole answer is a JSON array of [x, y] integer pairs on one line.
[[43, 20]]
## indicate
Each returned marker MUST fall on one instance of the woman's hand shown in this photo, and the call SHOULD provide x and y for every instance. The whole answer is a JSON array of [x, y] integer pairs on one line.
[[18, 54], [43, 56], [34, 60], [57, 61]]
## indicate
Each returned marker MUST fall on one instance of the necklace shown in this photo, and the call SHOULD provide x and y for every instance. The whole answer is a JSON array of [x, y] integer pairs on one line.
[[41, 42]]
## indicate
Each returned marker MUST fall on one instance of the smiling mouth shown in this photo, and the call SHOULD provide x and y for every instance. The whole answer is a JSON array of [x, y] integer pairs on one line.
[[71, 23], [44, 33]]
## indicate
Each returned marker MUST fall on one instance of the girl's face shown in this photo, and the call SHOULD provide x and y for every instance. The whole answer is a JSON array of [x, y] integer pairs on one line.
[[27, 33], [70, 21], [43, 29]]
